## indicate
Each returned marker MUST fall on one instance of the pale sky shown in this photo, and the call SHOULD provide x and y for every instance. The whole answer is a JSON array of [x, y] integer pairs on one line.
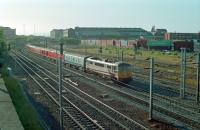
[[40, 16]]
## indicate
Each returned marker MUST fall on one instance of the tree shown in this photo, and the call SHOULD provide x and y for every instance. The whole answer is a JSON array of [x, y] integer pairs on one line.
[[2, 42], [70, 41]]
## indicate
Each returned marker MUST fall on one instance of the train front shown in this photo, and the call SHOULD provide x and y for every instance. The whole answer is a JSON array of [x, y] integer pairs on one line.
[[124, 72]]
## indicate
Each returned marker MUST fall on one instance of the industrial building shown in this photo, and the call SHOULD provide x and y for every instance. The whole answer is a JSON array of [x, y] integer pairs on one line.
[[130, 37], [56, 33], [182, 36], [8, 32], [108, 33], [159, 34]]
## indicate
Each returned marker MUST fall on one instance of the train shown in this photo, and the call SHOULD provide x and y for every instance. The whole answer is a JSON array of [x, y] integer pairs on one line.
[[117, 71]]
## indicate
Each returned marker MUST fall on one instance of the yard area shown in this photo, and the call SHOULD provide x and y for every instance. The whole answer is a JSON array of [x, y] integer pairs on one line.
[[170, 57], [167, 62]]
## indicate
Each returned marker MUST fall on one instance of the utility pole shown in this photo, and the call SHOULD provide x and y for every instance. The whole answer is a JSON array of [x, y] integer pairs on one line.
[[183, 70], [134, 51], [122, 58], [60, 86], [118, 53], [151, 88], [46, 42], [198, 65], [57, 56], [85, 46]]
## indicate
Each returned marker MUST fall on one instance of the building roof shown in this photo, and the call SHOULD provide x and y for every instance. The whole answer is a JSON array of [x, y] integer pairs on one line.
[[98, 32], [108, 28]]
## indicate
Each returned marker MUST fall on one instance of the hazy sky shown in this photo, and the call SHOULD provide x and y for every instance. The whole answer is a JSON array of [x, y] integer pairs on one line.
[[40, 16]]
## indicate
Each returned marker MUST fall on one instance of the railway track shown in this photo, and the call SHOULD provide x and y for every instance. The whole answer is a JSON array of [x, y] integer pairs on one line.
[[162, 77], [169, 83], [77, 118], [99, 112], [171, 101], [143, 100]]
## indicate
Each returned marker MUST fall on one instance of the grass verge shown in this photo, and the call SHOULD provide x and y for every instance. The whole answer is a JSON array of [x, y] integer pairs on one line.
[[25, 111]]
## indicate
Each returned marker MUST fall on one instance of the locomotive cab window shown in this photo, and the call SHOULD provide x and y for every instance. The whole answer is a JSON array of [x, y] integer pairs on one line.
[[114, 68], [124, 67]]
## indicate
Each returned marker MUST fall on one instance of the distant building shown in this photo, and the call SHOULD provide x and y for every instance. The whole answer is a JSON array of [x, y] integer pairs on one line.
[[56, 33], [182, 36], [159, 34], [101, 33], [109, 33], [153, 30], [8, 32], [196, 45], [68, 33]]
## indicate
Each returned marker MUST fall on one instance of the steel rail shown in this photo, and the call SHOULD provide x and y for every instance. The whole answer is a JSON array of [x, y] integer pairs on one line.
[[122, 126], [114, 88], [82, 127], [145, 94], [120, 114]]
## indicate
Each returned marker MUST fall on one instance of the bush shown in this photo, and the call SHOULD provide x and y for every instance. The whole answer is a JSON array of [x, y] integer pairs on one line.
[[4, 71], [25, 111], [175, 53]]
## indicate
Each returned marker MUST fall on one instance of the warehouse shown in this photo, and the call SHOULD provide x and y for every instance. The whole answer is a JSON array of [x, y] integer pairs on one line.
[[109, 33]]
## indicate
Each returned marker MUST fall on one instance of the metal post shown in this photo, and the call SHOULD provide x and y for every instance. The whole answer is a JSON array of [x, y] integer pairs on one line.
[[122, 55], [118, 53], [46, 43], [198, 65], [60, 86], [183, 70], [57, 67], [85, 47], [151, 88], [134, 51]]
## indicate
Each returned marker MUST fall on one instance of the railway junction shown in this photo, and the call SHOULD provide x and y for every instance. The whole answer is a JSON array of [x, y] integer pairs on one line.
[[91, 101]]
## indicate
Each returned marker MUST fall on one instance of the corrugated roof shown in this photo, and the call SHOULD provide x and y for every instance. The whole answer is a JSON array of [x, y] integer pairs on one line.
[[160, 43]]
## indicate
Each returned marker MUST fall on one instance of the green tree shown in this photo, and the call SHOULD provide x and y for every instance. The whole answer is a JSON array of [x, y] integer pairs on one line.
[[2, 42]]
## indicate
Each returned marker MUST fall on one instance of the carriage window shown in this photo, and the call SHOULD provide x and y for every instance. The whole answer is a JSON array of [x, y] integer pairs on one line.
[[98, 64], [109, 67]]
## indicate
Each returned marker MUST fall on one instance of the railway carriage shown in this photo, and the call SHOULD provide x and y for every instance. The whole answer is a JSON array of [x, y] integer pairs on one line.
[[77, 61], [50, 53], [33, 49], [119, 70]]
